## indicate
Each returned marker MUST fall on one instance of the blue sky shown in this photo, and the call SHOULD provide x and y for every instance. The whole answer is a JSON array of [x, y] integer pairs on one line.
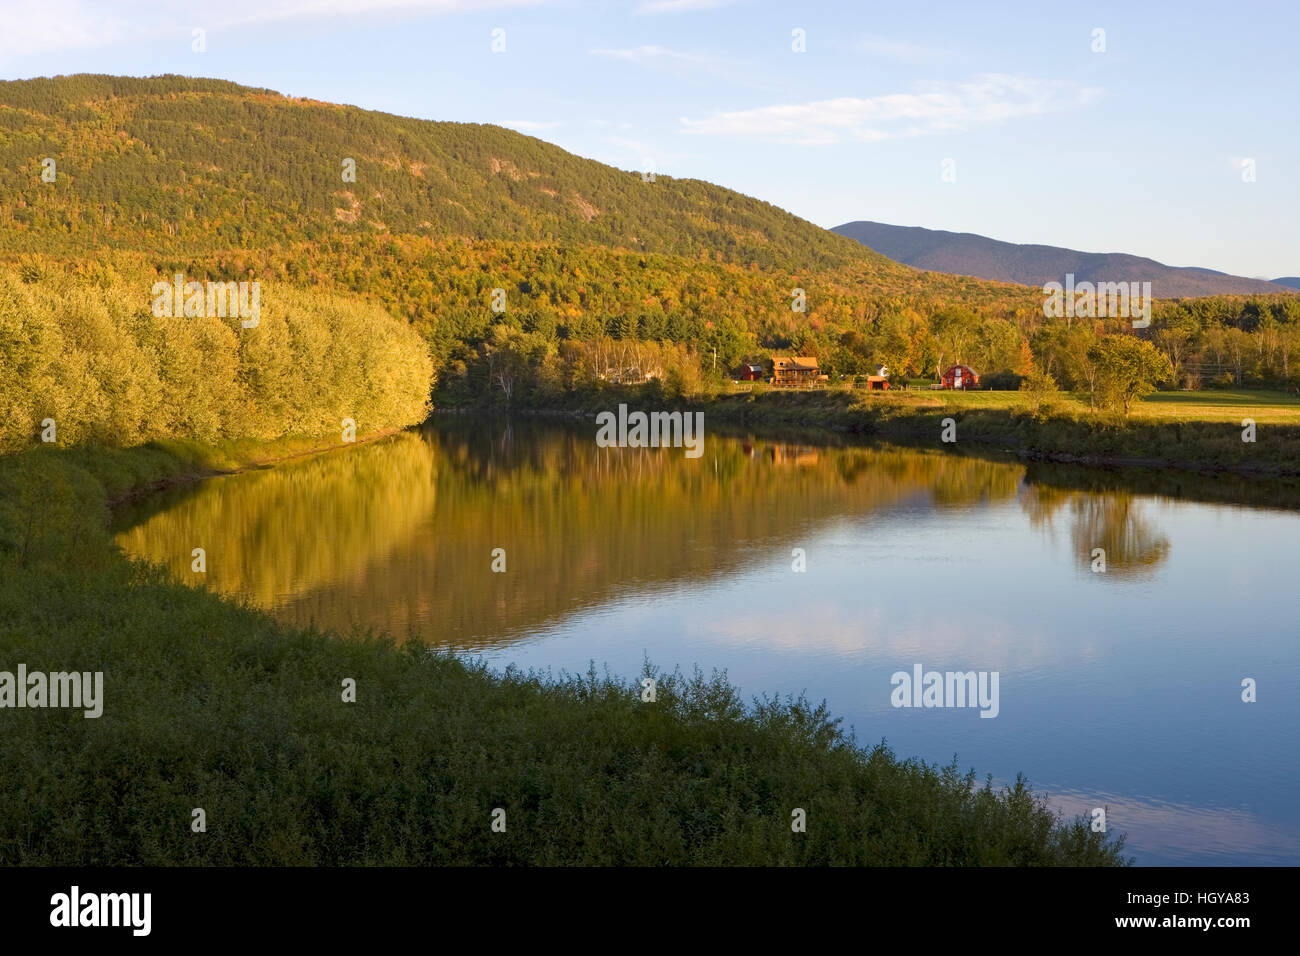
[[1143, 148]]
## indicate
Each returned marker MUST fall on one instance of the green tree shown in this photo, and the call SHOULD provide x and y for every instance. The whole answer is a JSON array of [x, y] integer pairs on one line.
[[1126, 368]]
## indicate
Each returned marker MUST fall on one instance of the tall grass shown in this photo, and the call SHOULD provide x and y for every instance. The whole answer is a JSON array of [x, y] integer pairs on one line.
[[215, 706]]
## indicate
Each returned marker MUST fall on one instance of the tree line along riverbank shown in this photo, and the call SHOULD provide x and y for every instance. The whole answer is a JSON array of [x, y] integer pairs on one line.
[[1258, 439]]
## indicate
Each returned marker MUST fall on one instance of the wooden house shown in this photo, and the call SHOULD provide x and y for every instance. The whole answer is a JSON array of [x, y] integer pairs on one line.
[[880, 380], [961, 376], [797, 372]]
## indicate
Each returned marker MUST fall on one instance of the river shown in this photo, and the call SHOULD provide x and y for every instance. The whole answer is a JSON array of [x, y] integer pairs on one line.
[[825, 570]]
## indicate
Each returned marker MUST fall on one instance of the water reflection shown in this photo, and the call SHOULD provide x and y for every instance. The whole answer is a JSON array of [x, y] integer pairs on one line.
[[1119, 688], [1129, 542], [398, 536]]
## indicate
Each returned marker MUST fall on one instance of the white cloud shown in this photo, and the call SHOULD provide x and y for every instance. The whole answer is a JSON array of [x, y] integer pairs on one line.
[[818, 630], [630, 145], [639, 155], [1164, 826], [40, 26], [938, 108], [680, 6], [680, 64]]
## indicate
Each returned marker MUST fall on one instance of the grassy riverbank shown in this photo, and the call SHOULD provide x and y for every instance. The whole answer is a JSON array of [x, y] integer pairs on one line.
[[215, 706], [1189, 431]]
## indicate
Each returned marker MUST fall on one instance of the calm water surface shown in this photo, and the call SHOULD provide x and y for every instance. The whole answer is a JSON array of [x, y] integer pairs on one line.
[[1120, 689]]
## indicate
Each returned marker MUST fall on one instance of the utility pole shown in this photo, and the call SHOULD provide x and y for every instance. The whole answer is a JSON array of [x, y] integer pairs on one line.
[[715, 359]]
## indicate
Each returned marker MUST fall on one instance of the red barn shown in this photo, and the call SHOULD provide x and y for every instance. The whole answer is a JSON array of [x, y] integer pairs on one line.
[[750, 373], [961, 376]]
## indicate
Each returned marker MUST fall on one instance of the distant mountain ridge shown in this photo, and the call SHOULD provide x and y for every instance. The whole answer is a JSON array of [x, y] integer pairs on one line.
[[965, 253]]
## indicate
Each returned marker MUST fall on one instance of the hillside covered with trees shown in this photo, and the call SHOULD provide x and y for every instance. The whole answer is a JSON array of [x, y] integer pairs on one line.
[[179, 164], [527, 271]]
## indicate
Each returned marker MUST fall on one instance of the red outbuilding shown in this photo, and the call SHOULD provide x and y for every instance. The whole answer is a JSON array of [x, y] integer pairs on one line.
[[961, 376], [750, 373]]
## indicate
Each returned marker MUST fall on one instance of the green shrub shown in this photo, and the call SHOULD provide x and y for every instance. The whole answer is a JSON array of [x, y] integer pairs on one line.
[[1003, 381], [91, 356]]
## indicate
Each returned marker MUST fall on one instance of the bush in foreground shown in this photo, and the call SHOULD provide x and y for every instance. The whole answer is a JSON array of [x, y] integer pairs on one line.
[[214, 706]]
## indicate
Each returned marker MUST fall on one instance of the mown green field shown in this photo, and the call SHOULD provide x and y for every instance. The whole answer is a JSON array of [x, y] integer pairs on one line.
[[1210, 406], [1205, 406]]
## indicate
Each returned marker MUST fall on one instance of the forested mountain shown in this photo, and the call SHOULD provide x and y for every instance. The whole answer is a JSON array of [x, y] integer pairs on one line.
[[964, 253], [178, 163], [525, 270], [220, 181]]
